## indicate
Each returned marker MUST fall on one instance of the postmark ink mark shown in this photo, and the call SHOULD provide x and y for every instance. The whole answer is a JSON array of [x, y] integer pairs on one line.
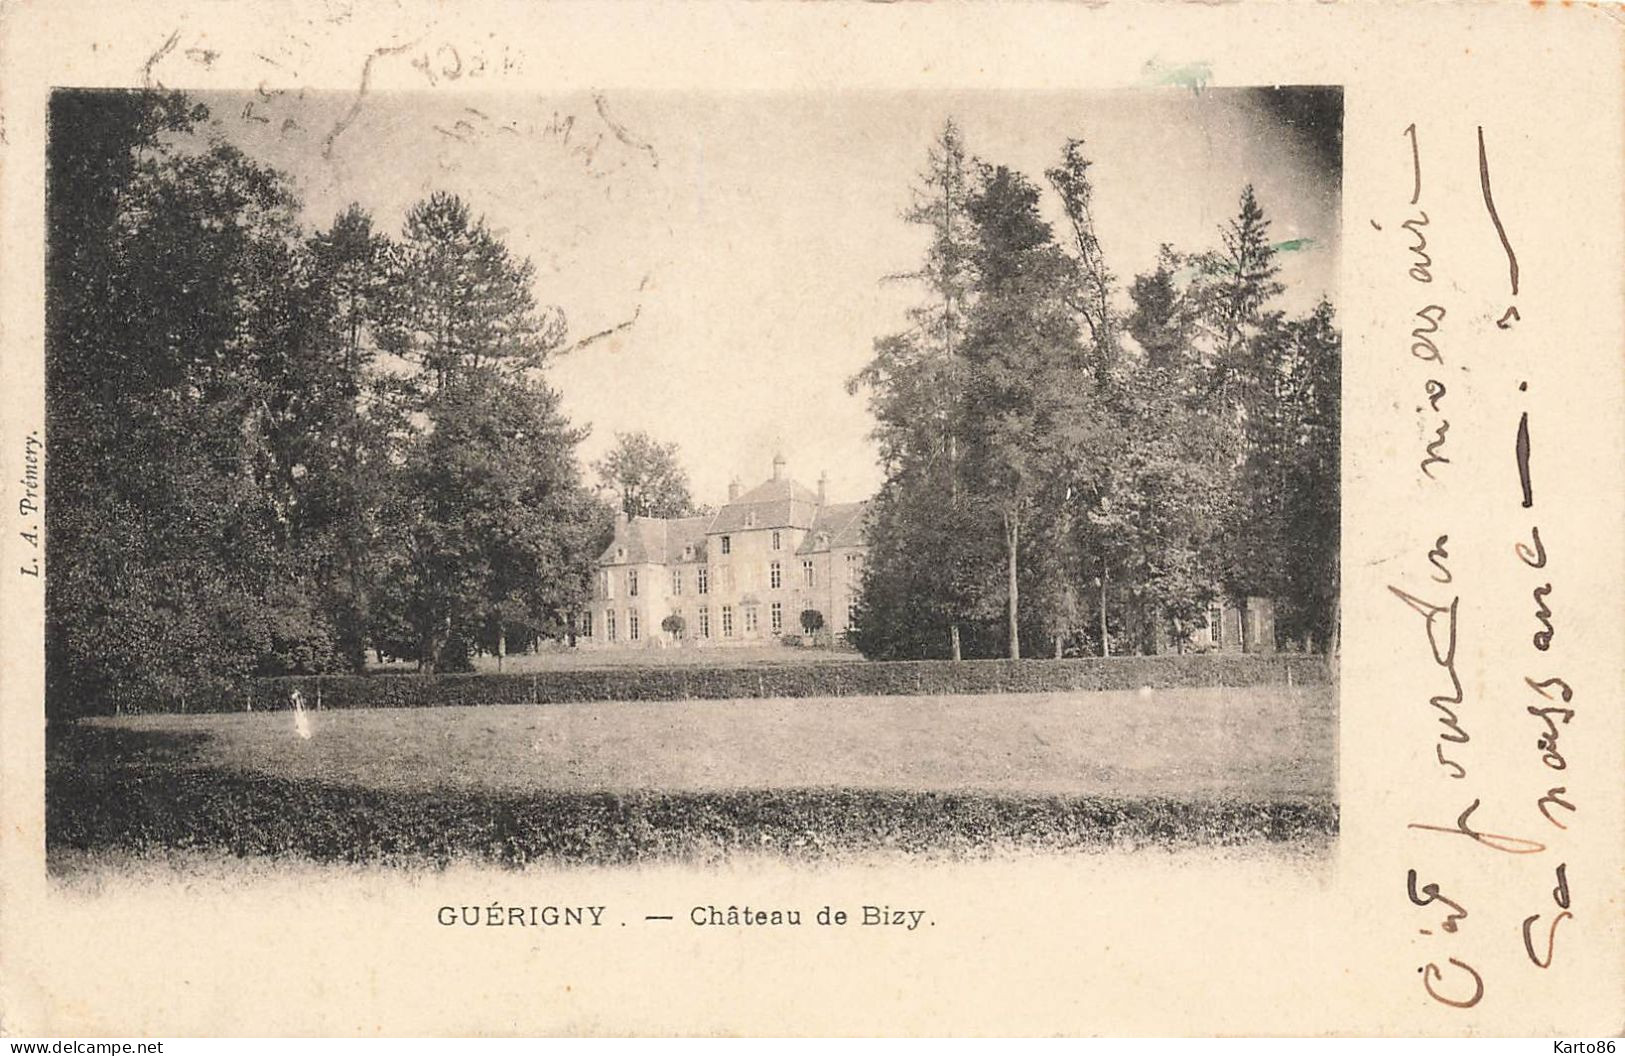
[[349, 117], [621, 133], [147, 78]]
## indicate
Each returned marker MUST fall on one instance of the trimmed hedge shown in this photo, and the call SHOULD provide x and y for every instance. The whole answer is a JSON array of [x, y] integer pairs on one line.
[[847, 679], [123, 790]]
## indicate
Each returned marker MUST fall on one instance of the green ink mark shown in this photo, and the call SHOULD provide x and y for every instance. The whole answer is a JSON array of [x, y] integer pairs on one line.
[[1293, 245], [1192, 75]]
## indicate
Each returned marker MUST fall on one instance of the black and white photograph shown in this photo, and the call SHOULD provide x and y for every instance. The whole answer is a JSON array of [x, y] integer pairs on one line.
[[616, 478]]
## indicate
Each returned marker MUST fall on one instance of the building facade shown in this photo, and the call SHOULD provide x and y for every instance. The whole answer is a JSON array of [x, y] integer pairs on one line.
[[748, 573], [744, 575], [1230, 625]]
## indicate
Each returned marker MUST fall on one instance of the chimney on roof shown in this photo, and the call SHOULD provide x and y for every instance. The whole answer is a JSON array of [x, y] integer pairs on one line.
[[823, 488], [733, 490], [778, 466]]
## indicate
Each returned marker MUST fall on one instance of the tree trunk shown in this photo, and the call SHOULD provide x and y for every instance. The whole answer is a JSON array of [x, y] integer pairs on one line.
[[1105, 636], [1334, 635], [1246, 632], [502, 646], [429, 648], [1058, 638], [352, 550], [1012, 543], [953, 637]]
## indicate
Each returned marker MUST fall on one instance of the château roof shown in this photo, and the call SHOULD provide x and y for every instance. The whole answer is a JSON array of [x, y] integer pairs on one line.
[[776, 503], [684, 532], [656, 541], [639, 541], [838, 524]]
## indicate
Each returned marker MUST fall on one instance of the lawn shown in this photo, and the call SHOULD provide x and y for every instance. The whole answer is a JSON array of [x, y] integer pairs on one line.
[[706, 778]]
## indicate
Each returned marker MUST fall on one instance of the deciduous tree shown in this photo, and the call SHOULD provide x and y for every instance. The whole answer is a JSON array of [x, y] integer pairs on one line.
[[1030, 411], [647, 475]]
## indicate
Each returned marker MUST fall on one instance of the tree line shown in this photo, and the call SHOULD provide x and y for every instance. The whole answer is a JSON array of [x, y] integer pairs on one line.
[[1083, 466], [279, 451]]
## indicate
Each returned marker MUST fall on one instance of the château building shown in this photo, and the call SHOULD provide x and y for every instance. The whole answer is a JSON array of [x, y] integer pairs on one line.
[[746, 574], [742, 575]]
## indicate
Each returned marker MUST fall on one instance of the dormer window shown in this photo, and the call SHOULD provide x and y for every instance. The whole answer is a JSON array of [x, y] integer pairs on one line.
[[688, 553], [750, 519], [620, 553]]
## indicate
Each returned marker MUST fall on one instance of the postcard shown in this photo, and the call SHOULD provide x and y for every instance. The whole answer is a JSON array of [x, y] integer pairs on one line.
[[830, 519]]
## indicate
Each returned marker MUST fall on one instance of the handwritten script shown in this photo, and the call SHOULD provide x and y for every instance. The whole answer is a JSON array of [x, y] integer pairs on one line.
[[1526, 813]]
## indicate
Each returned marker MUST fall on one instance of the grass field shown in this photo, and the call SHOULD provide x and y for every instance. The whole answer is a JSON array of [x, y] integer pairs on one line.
[[705, 779]]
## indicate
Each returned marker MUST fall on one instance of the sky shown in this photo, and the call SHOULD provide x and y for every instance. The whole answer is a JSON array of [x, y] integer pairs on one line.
[[737, 243]]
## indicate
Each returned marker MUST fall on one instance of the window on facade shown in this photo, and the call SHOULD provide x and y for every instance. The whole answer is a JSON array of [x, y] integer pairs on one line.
[[776, 540], [776, 615], [807, 572], [727, 621], [705, 622], [775, 578], [632, 625], [852, 612], [676, 581], [631, 582], [704, 580], [854, 564], [1215, 624], [604, 582], [750, 619], [586, 625], [727, 544], [609, 624]]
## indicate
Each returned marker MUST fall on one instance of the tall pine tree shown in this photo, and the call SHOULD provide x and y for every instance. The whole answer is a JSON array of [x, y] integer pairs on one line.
[[916, 381]]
